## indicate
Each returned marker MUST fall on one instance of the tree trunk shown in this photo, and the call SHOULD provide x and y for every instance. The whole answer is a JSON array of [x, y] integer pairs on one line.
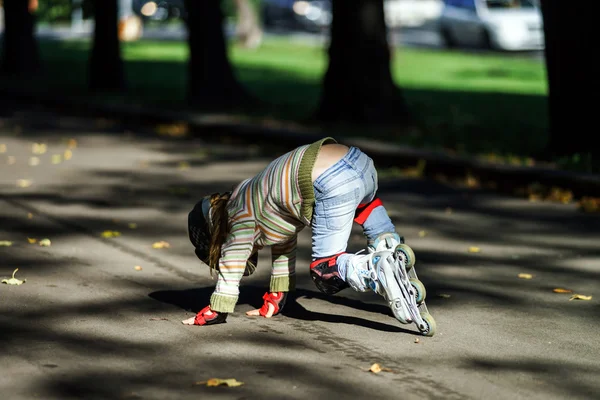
[[249, 33], [358, 85], [106, 65], [572, 79], [20, 50], [212, 84]]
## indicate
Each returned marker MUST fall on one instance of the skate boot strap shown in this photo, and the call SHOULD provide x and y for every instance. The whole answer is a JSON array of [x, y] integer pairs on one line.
[[204, 318], [277, 299]]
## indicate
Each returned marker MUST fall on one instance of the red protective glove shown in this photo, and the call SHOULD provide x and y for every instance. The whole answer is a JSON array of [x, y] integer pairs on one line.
[[277, 299], [206, 316]]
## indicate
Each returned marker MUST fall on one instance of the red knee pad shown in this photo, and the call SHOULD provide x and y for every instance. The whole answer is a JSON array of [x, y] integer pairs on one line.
[[364, 210]]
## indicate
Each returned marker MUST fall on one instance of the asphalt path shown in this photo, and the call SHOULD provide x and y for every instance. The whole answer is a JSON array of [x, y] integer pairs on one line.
[[88, 324]]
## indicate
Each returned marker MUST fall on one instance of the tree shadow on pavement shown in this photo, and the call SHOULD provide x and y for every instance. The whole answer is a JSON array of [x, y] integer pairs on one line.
[[196, 299]]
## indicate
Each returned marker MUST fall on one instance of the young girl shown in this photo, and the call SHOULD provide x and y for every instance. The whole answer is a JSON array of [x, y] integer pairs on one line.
[[325, 185]]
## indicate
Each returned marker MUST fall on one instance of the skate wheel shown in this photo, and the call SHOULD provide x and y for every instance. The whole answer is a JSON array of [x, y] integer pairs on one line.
[[420, 292], [408, 254], [430, 326]]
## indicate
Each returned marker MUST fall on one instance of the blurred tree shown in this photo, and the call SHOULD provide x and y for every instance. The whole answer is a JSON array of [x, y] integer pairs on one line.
[[105, 64], [212, 82], [358, 84], [571, 79], [20, 55], [248, 31]]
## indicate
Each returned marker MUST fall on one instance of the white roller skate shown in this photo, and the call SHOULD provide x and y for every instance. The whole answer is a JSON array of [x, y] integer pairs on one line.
[[412, 288], [377, 271]]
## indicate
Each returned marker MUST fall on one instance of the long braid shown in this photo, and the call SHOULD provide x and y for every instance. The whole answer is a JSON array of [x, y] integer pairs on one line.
[[220, 228]]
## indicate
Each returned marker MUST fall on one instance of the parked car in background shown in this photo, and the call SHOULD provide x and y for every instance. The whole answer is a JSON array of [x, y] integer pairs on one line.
[[411, 13], [509, 25], [309, 15]]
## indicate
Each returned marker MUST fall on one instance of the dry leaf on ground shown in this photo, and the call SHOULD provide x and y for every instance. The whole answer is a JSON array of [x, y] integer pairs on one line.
[[221, 382], [13, 280], [32, 240], [24, 183], [29, 215], [161, 245], [2, 148], [5, 243], [111, 234], [57, 158], [422, 233], [525, 276], [474, 249], [137, 268], [45, 242], [376, 368], [580, 297], [34, 161], [561, 290], [67, 154]]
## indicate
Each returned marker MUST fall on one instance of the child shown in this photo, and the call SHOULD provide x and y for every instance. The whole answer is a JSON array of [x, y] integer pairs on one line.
[[325, 185]]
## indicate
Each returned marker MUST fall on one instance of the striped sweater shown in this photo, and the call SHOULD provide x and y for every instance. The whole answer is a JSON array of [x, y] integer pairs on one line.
[[267, 210]]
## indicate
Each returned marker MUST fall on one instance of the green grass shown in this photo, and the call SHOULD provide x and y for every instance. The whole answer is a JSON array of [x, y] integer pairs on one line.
[[471, 103]]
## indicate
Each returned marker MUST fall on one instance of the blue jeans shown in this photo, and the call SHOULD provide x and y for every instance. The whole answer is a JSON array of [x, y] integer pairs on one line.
[[339, 191]]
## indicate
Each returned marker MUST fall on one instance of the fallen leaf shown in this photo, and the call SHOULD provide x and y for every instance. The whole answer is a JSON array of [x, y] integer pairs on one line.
[[422, 233], [161, 245], [57, 158], [45, 242], [417, 340], [580, 297], [220, 382], [5, 243], [111, 234], [13, 280], [525, 276], [132, 225], [34, 161], [32, 240], [38, 148], [560, 290], [137, 268], [589, 204], [183, 165], [474, 249], [68, 154], [23, 183], [29, 215], [72, 143], [375, 368], [2, 148], [11, 160]]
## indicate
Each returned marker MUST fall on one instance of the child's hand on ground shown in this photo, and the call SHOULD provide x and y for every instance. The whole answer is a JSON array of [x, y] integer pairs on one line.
[[206, 316], [256, 312], [273, 305]]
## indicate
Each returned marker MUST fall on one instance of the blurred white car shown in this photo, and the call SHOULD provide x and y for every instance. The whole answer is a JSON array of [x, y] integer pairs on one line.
[[509, 25], [411, 13]]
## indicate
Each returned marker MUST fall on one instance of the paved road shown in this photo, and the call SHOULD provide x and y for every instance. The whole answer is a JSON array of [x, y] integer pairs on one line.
[[86, 324]]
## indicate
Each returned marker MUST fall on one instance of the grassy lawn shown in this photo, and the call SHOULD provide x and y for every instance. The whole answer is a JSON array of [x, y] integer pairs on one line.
[[474, 103]]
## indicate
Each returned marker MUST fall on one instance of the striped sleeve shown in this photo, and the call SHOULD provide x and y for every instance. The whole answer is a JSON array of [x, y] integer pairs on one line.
[[234, 253], [283, 272]]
